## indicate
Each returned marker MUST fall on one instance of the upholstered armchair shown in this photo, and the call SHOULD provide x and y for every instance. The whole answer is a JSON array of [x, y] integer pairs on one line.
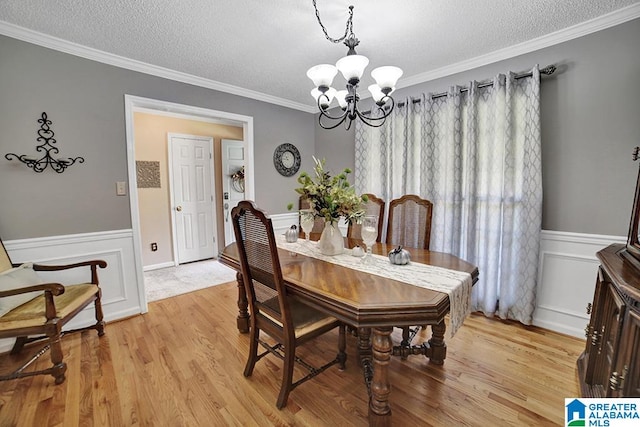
[[32, 310]]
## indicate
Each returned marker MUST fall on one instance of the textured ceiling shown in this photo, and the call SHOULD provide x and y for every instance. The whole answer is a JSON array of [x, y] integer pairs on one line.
[[267, 46]]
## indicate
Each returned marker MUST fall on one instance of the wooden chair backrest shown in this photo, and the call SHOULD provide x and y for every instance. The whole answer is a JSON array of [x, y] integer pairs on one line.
[[260, 264], [374, 206], [5, 261], [409, 222]]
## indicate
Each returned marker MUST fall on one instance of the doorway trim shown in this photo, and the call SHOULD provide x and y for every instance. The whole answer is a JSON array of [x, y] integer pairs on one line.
[[133, 104]]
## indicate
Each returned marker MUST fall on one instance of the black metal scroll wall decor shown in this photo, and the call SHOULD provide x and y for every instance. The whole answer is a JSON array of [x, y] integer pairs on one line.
[[45, 134]]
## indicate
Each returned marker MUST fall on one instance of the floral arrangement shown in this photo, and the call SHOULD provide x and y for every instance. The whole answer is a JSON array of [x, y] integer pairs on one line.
[[238, 175], [237, 180], [331, 197]]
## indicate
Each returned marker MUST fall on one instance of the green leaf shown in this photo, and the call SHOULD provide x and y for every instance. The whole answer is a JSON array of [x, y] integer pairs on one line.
[[330, 196]]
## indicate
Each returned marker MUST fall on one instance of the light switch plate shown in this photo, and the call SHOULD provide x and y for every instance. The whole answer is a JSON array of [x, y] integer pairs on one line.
[[121, 188]]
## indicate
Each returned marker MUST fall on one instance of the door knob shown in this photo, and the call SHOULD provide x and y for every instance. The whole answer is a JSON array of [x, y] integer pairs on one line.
[[179, 208]]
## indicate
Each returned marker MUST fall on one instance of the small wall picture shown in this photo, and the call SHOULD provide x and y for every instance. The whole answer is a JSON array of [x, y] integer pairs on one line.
[[148, 174]]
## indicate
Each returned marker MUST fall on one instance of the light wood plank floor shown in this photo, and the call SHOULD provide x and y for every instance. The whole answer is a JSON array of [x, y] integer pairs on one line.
[[181, 365]]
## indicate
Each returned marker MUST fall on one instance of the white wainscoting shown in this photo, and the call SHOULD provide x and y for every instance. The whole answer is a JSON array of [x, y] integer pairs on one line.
[[282, 222], [120, 297], [567, 278]]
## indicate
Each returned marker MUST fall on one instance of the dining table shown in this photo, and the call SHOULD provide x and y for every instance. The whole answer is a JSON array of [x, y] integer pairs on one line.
[[372, 304]]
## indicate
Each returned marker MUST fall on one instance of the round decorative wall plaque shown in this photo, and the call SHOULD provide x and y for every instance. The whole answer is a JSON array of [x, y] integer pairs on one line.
[[286, 159]]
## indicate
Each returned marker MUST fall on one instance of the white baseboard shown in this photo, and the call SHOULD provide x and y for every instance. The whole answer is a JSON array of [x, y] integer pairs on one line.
[[158, 266], [566, 279], [118, 281]]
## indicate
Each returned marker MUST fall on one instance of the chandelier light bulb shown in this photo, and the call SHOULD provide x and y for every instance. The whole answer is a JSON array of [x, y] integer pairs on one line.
[[322, 75], [386, 77], [341, 97], [352, 67], [376, 92], [325, 100]]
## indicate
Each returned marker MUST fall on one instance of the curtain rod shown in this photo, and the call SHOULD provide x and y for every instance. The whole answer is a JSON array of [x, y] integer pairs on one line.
[[548, 70]]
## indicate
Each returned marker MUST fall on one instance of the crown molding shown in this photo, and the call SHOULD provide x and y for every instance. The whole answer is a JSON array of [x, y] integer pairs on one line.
[[76, 49], [612, 19]]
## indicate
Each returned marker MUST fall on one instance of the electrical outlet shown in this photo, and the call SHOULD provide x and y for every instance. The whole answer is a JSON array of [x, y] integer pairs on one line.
[[154, 247], [121, 188]]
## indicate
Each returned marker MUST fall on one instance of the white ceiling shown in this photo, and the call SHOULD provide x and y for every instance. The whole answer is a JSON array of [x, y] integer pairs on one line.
[[263, 48]]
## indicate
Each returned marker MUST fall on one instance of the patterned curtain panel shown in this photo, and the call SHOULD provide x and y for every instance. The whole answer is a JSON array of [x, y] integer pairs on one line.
[[476, 155]]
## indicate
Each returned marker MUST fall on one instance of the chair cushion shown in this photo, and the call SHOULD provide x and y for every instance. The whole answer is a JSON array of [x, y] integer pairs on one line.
[[305, 319], [14, 278], [32, 313]]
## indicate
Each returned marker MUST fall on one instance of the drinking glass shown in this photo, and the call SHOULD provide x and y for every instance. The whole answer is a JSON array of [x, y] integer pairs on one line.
[[307, 220], [369, 233]]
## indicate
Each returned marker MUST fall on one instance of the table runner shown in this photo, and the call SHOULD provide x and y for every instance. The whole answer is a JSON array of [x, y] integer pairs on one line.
[[456, 284]]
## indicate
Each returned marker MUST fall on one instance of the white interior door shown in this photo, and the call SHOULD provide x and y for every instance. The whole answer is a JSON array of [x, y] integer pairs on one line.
[[233, 158], [191, 174]]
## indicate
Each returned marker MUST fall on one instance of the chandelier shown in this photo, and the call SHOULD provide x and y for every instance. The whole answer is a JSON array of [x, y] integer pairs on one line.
[[352, 68]]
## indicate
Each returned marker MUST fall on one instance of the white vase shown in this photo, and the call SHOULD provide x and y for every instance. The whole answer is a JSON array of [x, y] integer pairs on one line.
[[331, 241]]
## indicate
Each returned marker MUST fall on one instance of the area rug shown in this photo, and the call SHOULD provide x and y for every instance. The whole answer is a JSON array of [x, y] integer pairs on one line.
[[167, 282]]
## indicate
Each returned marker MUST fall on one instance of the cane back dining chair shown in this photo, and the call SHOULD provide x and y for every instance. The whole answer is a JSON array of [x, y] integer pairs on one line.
[[32, 310], [409, 224], [374, 206], [286, 320]]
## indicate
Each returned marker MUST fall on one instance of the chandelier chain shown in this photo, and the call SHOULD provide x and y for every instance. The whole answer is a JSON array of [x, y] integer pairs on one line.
[[347, 31]]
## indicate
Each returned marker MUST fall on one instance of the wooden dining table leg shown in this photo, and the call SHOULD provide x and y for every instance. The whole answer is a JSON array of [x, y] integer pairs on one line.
[[437, 344], [379, 410], [365, 354], [242, 321]]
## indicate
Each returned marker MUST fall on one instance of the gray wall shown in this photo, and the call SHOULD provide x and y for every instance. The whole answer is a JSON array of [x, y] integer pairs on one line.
[[590, 124], [85, 101]]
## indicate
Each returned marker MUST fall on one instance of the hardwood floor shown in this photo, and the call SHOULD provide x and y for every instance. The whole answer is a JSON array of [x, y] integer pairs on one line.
[[181, 365]]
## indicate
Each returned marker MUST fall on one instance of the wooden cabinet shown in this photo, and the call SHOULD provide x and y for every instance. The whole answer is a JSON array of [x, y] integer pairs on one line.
[[609, 365], [628, 363]]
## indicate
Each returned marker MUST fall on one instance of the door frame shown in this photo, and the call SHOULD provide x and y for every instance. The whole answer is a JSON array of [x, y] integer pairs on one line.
[[214, 199], [134, 104]]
